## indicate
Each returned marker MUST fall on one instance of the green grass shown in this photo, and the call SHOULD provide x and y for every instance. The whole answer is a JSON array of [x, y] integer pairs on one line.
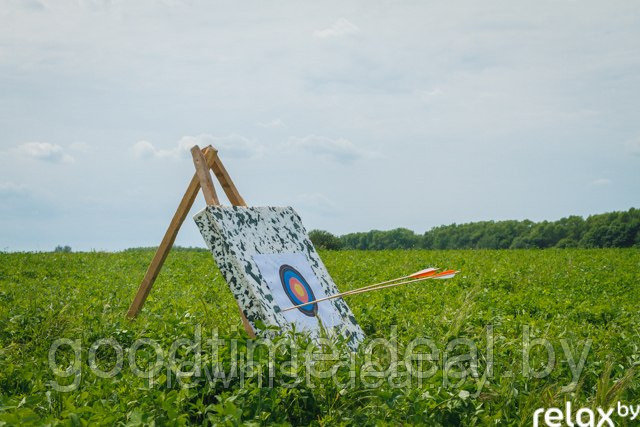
[[564, 296]]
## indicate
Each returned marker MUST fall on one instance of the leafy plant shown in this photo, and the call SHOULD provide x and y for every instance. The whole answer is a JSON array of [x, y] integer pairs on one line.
[[569, 297]]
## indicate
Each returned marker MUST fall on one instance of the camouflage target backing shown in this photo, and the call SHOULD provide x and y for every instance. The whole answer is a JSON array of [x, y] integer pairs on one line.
[[270, 264]]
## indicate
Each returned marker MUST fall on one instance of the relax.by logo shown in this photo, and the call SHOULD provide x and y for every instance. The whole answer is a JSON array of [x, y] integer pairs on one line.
[[583, 417]]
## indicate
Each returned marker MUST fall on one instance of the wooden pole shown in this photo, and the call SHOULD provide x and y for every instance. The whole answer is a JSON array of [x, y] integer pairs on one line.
[[169, 237], [236, 200], [202, 171], [203, 160]]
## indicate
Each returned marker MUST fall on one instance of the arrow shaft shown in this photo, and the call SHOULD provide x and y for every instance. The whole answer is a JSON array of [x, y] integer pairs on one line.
[[374, 285], [364, 289], [426, 271]]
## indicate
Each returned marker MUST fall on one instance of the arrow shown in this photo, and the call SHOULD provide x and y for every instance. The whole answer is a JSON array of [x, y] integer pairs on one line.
[[419, 276]]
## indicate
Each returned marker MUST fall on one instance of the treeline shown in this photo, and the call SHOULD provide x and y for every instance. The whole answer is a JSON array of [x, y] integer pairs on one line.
[[608, 230]]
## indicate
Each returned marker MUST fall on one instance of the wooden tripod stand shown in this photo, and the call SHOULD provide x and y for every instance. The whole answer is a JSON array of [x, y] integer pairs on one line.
[[203, 160]]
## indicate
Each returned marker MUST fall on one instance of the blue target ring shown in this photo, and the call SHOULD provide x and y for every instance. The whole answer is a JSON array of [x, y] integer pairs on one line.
[[298, 290]]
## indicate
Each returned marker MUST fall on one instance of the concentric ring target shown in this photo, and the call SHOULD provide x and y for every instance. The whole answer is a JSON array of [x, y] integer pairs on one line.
[[298, 290]]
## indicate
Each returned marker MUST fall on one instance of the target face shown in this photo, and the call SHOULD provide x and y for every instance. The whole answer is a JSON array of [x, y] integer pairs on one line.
[[290, 281], [298, 290]]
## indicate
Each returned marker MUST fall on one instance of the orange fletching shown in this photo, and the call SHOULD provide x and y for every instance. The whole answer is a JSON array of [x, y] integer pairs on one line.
[[447, 274], [424, 273]]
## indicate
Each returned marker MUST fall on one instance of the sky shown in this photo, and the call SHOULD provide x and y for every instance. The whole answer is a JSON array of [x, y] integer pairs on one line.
[[361, 115]]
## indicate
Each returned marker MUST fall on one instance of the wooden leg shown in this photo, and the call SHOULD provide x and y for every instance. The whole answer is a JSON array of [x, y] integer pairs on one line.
[[210, 156], [168, 239], [247, 326], [204, 176], [202, 170], [236, 200]]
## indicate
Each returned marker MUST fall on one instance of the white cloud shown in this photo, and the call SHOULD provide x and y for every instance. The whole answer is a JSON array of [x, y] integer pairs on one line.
[[144, 150], [233, 146], [45, 151], [428, 95], [12, 188], [601, 182], [341, 149], [342, 27], [273, 124]]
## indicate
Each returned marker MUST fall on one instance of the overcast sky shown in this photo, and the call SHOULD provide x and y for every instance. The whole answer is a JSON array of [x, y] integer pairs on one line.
[[360, 115]]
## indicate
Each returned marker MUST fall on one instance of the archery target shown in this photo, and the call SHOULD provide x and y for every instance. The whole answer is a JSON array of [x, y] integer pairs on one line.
[[298, 290], [291, 281]]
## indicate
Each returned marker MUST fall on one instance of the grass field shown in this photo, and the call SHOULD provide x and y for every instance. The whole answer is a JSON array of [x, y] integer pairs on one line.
[[575, 299]]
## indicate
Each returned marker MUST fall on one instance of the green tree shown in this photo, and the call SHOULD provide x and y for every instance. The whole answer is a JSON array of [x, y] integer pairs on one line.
[[324, 240]]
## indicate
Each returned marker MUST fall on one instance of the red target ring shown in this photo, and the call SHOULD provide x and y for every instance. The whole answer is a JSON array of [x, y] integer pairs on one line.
[[298, 290]]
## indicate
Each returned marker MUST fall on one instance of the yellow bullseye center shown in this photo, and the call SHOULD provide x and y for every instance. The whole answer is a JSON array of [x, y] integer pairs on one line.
[[299, 290]]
